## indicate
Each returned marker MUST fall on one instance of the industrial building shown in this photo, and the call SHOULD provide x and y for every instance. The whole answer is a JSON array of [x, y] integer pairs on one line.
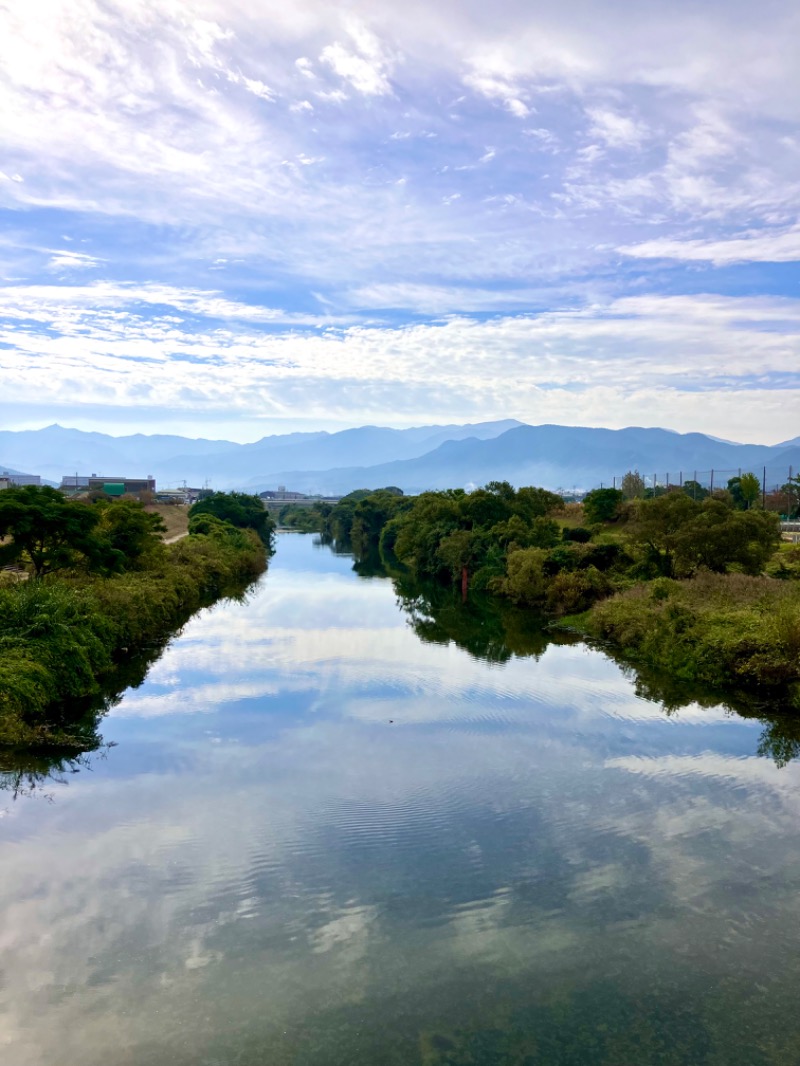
[[112, 486], [18, 479]]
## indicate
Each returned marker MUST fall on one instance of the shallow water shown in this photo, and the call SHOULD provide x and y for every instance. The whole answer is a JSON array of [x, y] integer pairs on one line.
[[319, 840]]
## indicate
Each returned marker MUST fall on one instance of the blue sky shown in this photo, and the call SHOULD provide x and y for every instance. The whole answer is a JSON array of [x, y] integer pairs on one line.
[[233, 219]]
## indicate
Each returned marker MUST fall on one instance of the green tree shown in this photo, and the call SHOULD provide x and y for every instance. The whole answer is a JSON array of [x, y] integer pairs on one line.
[[460, 551], [339, 523], [532, 502], [526, 582], [791, 492], [744, 490], [49, 532], [658, 524], [239, 509], [419, 531], [632, 485], [717, 537], [681, 535], [695, 491], [370, 515], [602, 505], [131, 533]]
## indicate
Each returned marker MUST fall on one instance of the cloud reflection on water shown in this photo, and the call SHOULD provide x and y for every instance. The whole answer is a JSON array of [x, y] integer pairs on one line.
[[279, 866]]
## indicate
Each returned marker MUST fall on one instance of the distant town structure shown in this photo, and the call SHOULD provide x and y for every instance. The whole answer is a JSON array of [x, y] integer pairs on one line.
[[274, 499], [281, 494], [18, 479], [183, 495], [111, 486]]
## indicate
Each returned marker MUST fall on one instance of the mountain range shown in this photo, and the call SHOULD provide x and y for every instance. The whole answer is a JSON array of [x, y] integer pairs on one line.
[[413, 459]]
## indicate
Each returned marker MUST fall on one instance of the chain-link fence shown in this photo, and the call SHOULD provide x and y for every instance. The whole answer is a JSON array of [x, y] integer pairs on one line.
[[778, 487]]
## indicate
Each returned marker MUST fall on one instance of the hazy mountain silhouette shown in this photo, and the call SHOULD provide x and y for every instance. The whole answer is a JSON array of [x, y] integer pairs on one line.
[[415, 459], [554, 457], [55, 451]]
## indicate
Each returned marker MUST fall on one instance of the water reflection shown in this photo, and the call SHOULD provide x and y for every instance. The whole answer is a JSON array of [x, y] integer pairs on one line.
[[321, 840], [489, 629], [32, 773]]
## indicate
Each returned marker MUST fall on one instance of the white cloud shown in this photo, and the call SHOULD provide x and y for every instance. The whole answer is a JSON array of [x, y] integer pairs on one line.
[[494, 85], [782, 246], [73, 261], [615, 129], [682, 361], [366, 66]]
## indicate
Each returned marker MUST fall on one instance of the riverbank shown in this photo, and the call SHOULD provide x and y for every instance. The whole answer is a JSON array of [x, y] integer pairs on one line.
[[711, 629], [705, 591], [61, 640]]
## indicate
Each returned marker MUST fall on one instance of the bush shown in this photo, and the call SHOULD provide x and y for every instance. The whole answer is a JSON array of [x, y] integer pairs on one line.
[[580, 535], [526, 581], [574, 592]]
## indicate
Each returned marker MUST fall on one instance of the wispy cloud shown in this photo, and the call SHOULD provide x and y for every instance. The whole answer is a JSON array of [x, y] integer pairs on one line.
[[686, 357], [251, 167], [363, 62], [758, 246]]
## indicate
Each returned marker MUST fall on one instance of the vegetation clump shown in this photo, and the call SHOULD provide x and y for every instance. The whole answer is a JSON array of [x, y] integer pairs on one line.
[[98, 590], [714, 626]]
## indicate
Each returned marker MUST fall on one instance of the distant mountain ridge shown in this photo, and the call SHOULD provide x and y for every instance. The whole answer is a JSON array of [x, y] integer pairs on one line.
[[414, 459], [557, 457], [56, 451]]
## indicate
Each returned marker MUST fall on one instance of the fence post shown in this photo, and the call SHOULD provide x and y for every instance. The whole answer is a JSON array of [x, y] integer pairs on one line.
[[712, 480], [764, 491]]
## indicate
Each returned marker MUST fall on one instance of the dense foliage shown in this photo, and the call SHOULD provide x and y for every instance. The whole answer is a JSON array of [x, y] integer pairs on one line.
[[62, 636], [525, 546], [239, 509], [47, 532], [712, 627], [447, 535], [356, 520]]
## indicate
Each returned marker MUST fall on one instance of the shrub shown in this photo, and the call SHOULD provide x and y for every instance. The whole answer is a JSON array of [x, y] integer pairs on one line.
[[580, 535]]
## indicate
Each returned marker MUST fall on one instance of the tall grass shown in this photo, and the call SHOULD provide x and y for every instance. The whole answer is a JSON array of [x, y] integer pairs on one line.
[[714, 628]]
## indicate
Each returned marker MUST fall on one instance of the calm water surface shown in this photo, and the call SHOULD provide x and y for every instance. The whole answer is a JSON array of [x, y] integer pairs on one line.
[[319, 840]]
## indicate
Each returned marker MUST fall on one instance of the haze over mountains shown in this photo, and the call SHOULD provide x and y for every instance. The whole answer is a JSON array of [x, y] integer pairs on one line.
[[414, 459]]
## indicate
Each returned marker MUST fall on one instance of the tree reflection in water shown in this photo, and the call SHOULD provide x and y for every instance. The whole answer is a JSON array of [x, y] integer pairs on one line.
[[490, 629], [27, 773], [486, 627]]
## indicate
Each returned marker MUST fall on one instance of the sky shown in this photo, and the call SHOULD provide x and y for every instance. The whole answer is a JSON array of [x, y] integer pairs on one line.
[[230, 219]]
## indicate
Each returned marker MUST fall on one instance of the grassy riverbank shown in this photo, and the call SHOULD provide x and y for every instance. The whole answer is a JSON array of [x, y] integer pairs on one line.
[[711, 628], [63, 638]]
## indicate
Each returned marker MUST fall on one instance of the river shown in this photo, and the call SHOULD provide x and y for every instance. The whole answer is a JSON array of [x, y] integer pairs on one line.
[[315, 839]]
